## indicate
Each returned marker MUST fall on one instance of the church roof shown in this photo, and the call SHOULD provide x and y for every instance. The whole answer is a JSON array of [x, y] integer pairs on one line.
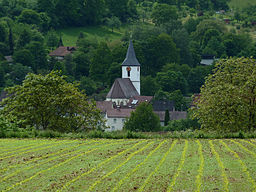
[[122, 88], [130, 59]]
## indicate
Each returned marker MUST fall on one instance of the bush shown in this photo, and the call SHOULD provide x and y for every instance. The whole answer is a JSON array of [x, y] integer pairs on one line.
[[182, 125]]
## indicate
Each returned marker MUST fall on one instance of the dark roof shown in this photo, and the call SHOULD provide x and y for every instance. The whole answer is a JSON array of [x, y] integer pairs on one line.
[[163, 105], [62, 51], [130, 59], [122, 88], [174, 115]]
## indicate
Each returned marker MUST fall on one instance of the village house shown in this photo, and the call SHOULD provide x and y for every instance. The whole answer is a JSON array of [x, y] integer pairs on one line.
[[124, 96], [61, 52]]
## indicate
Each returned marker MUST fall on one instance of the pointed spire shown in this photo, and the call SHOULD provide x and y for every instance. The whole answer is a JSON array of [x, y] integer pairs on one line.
[[130, 59]]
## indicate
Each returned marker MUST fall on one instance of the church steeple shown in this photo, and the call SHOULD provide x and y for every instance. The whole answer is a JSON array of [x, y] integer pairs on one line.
[[130, 59], [131, 67]]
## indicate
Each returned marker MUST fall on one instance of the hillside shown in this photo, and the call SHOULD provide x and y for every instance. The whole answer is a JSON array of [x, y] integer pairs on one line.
[[99, 33], [238, 4]]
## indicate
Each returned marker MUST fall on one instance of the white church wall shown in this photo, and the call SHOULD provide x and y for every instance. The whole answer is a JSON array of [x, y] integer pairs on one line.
[[134, 76]]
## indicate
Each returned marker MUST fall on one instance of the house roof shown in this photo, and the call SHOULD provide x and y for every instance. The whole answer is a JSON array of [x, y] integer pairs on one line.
[[130, 59], [119, 113], [174, 115], [104, 105], [136, 100], [122, 88], [62, 51], [160, 105]]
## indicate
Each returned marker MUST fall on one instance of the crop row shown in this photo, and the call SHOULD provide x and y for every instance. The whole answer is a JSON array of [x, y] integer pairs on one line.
[[125, 165]]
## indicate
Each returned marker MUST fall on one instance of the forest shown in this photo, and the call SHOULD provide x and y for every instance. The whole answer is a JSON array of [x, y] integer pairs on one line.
[[170, 39]]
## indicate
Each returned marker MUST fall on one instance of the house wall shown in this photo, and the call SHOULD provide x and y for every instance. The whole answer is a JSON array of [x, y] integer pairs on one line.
[[115, 123]]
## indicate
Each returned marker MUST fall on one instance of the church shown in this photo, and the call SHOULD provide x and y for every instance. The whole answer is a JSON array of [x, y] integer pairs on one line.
[[124, 96]]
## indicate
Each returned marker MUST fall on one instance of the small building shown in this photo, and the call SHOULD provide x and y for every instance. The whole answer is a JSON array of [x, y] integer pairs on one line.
[[208, 59], [61, 52]]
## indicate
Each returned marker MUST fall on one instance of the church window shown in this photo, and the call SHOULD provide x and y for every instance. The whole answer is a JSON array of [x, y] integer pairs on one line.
[[128, 69], [114, 120]]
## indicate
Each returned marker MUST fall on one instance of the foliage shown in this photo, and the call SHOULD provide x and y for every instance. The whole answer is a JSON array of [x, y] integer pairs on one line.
[[143, 119], [166, 117], [227, 100], [182, 125], [49, 102], [113, 22]]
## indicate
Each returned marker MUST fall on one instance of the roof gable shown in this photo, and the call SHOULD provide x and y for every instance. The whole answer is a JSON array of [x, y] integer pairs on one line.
[[122, 89]]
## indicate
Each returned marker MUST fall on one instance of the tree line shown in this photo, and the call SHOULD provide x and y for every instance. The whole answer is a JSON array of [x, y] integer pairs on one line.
[[169, 49]]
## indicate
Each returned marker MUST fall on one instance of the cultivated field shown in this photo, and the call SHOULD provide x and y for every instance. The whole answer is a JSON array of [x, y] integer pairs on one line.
[[127, 165]]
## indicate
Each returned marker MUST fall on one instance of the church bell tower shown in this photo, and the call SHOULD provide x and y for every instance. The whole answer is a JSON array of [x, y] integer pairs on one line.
[[131, 68]]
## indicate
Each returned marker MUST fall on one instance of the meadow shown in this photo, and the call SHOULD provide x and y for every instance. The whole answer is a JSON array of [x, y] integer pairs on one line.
[[238, 4], [95, 33], [127, 165]]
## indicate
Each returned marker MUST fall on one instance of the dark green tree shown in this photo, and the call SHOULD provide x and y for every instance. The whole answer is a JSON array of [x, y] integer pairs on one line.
[[143, 119], [113, 22], [148, 86], [101, 60], [166, 117], [29, 16], [163, 13], [170, 81]]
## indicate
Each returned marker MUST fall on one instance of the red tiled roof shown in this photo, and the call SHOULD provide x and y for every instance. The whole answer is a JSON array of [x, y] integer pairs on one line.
[[104, 105], [119, 113], [62, 51]]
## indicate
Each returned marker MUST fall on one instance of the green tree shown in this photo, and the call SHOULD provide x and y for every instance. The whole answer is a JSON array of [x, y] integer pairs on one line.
[[143, 119], [24, 57], [166, 117], [49, 102], [3, 32], [170, 81], [19, 73], [113, 22], [148, 86], [227, 99], [2, 73], [158, 51], [163, 13], [100, 63], [29, 16]]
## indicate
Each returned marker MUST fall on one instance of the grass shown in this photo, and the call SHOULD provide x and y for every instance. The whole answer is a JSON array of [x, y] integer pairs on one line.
[[238, 4], [127, 165], [96, 33]]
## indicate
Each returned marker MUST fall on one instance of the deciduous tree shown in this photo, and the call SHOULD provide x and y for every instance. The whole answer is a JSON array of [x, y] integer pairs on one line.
[[228, 97], [143, 119], [49, 102]]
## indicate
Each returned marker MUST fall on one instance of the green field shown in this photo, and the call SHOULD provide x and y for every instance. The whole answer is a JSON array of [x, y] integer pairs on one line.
[[127, 165], [97, 33], [238, 4]]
